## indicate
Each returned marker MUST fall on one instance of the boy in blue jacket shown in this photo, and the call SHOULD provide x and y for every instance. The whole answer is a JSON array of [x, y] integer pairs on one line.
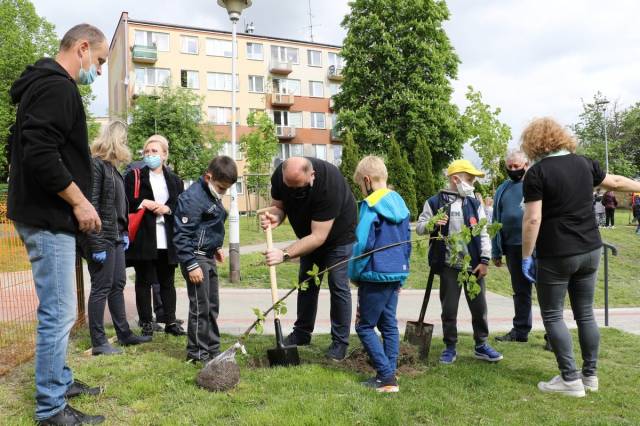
[[383, 220], [198, 237]]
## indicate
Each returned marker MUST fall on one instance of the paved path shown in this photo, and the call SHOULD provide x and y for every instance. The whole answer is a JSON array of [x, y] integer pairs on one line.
[[236, 311]]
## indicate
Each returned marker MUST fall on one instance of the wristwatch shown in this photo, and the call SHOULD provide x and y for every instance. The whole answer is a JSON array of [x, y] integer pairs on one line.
[[285, 255]]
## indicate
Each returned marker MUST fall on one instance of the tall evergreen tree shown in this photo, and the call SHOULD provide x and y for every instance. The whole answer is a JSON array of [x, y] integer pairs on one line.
[[401, 175], [350, 158], [399, 63], [424, 183]]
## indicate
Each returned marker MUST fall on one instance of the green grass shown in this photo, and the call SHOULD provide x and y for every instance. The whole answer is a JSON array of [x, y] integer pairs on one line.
[[251, 233], [151, 384]]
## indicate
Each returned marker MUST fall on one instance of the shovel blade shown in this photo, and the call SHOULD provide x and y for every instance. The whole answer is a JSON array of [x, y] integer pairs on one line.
[[419, 334], [284, 356]]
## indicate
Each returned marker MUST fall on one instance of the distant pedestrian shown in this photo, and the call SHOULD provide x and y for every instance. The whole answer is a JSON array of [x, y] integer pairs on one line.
[[610, 203], [598, 208]]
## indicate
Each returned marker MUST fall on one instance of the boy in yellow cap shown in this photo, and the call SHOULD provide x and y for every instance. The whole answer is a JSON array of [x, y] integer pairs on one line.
[[461, 208]]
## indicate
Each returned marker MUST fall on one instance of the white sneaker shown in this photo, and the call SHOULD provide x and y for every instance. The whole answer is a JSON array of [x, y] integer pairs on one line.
[[559, 385], [590, 383]]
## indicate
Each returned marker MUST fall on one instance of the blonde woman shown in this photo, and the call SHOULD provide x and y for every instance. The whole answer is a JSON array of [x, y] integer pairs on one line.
[[104, 250], [559, 223], [152, 253]]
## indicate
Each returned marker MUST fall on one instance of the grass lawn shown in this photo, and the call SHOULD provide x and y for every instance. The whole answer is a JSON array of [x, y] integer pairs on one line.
[[624, 270], [251, 233], [151, 384]]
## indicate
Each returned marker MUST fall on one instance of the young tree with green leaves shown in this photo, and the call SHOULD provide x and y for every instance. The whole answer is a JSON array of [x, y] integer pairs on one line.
[[350, 158], [401, 175], [423, 168], [399, 66], [176, 114], [489, 137], [260, 147]]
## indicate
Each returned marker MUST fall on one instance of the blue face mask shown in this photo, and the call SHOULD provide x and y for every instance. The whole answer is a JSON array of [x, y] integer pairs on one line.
[[88, 77], [152, 161]]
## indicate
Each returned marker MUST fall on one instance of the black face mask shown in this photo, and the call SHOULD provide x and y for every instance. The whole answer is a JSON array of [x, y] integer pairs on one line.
[[300, 193], [516, 175]]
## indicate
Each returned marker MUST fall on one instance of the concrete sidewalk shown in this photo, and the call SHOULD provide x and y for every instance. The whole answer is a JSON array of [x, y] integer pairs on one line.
[[236, 311]]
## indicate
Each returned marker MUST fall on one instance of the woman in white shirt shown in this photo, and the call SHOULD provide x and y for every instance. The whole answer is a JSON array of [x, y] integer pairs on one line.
[[152, 253]]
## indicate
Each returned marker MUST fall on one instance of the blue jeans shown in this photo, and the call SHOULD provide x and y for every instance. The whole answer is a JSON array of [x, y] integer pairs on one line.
[[377, 303], [52, 256]]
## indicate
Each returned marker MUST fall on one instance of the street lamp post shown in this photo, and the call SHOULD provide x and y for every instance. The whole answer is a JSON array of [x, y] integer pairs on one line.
[[234, 8], [606, 142]]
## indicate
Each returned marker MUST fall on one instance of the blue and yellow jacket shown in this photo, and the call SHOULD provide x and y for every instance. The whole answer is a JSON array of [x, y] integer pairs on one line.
[[383, 220]]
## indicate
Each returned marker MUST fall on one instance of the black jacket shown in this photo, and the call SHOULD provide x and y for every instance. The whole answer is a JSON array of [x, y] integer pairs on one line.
[[48, 147], [110, 201], [145, 247], [199, 224]]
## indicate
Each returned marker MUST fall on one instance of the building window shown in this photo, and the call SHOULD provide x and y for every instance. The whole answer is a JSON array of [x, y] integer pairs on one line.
[[189, 45], [221, 115], [256, 83], [220, 81], [151, 39], [288, 150], [254, 51], [337, 154], [316, 89], [318, 120], [284, 54], [239, 187], [217, 47], [336, 60], [158, 77], [226, 150], [320, 151], [256, 111], [287, 118], [286, 86], [314, 58], [189, 79], [334, 89]]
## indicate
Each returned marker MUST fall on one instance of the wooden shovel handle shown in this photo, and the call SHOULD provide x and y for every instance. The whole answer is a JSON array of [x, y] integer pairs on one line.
[[272, 269]]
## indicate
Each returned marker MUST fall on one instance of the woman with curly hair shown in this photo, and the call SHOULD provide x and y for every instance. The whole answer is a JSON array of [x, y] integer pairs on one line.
[[559, 223]]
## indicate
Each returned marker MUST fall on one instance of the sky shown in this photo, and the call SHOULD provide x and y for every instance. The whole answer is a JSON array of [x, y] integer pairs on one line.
[[531, 58]]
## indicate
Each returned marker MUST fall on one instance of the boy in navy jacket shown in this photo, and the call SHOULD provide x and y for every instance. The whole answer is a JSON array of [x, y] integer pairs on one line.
[[198, 237], [383, 220], [462, 209]]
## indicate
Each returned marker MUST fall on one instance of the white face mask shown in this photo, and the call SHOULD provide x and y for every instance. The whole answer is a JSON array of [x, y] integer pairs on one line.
[[213, 191], [465, 189]]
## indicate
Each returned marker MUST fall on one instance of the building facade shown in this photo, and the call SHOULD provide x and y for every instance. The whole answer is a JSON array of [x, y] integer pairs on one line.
[[292, 81]]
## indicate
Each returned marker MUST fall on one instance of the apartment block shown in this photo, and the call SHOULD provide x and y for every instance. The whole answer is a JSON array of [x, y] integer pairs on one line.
[[292, 81]]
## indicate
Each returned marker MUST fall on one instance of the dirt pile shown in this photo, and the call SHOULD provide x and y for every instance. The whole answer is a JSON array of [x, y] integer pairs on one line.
[[219, 376]]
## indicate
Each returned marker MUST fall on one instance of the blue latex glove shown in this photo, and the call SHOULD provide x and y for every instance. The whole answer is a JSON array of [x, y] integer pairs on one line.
[[529, 268], [125, 240], [99, 257]]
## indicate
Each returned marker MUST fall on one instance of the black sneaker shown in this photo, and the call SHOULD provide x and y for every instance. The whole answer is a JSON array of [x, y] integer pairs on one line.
[[174, 329], [147, 328], [389, 385], [105, 349], [70, 416], [132, 339], [295, 340], [337, 351], [157, 327], [78, 388], [511, 337]]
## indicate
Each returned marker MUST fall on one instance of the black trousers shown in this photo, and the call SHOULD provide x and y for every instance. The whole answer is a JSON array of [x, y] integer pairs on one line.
[[611, 217], [522, 320], [450, 298], [340, 312], [155, 271], [107, 285], [203, 336]]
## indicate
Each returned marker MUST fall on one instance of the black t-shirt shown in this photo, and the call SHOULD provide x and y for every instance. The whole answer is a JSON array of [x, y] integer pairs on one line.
[[329, 198], [565, 185]]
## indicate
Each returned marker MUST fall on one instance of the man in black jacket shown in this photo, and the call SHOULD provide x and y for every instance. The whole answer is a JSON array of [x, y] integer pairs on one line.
[[50, 177]]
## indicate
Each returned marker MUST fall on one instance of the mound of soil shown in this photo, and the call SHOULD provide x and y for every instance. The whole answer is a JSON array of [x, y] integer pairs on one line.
[[409, 362], [219, 377]]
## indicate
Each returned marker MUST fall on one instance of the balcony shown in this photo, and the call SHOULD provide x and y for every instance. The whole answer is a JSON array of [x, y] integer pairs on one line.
[[285, 132], [281, 99], [282, 68], [334, 73], [335, 135], [144, 54]]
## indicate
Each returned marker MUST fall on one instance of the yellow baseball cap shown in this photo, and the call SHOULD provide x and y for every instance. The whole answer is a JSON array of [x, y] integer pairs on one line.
[[459, 166]]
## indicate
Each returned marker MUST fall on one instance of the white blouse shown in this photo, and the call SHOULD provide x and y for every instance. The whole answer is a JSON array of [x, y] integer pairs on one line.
[[160, 195]]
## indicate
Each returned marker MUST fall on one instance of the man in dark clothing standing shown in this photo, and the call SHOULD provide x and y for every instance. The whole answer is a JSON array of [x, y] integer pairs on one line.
[[50, 178], [508, 211], [320, 206]]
